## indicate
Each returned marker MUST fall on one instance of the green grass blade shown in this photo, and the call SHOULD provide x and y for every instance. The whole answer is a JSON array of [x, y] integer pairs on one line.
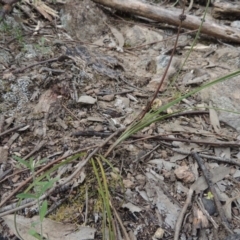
[[153, 115]]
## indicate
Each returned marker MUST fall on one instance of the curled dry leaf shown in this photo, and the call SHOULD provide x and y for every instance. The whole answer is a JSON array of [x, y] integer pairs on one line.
[[185, 174]]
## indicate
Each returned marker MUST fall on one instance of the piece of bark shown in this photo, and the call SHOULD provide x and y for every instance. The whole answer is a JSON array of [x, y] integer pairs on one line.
[[223, 10], [166, 16]]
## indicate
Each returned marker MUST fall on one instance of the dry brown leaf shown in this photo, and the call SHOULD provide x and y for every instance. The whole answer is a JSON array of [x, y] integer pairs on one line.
[[51, 229], [45, 102], [117, 35], [185, 174], [228, 206], [217, 174], [214, 119], [4, 154], [7, 75]]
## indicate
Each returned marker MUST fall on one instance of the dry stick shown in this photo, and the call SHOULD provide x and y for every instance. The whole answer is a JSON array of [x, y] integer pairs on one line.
[[207, 175], [120, 222], [219, 159], [39, 171], [201, 206], [2, 119], [86, 210], [16, 204], [61, 58], [164, 15], [18, 208], [2, 175], [11, 130], [181, 215], [36, 149], [70, 112], [159, 137]]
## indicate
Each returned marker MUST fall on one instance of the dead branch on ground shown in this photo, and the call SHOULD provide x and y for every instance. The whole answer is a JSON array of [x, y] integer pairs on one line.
[[172, 17]]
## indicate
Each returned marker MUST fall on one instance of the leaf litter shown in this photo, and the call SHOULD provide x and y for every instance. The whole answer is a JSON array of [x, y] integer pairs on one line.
[[65, 97]]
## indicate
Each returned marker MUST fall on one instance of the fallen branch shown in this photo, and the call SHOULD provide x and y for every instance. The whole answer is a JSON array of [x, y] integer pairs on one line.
[[172, 17], [207, 175], [225, 9], [182, 213]]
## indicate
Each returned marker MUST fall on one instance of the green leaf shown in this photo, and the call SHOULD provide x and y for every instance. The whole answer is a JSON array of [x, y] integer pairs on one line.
[[22, 161], [43, 210], [42, 183], [34, 233], [27, 195], [44, 160]]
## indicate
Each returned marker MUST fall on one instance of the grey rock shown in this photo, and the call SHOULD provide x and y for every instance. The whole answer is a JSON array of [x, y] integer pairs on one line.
[[87, 100]]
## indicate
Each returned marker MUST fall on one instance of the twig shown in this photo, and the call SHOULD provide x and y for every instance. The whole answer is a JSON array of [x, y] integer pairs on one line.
[[2, 119], [201, 206], [2, 175], [70, 112], [216, 144], [207, 175], [11, 130], [12, 139], [86, 208], [31, 203], [20, 70], [148, 153], [14, 205], [36, 149], [182, 213], [56, 205], [120, 222], [219, 159]]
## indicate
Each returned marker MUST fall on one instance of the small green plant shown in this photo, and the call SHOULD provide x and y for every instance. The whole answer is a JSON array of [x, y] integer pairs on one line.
[[40, 187]]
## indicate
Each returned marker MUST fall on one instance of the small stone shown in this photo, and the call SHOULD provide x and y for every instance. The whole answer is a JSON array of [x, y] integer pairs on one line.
[[82, 114], [98, 128], [209, 206], [87, 100], [159, 233], [108, 98], [95, 119], [114, 176], [122, 103]]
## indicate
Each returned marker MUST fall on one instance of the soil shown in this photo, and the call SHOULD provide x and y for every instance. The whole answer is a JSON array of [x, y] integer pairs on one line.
[[70, 80]]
